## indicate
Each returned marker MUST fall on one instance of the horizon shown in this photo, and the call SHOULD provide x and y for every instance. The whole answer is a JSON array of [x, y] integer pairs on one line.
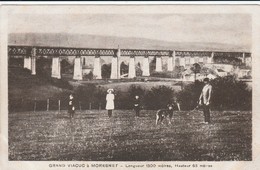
[[68, 40], [117, 37], [232, 29]]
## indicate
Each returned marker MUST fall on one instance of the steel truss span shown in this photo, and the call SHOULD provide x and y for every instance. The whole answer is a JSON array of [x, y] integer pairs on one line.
[[66, 51]]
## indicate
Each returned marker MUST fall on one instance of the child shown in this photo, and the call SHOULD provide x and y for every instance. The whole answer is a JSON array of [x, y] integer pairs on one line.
[[137, 106], [71, 107], [110, 106]]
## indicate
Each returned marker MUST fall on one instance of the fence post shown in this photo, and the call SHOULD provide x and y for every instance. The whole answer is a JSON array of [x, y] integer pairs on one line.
[[48, 102], [90, 106], [79, 105], [59, 105], [22, 103], [179, 107], [34, 108], [99, 108]]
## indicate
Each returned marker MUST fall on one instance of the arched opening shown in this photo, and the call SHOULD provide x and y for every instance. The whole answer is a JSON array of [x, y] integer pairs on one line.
[[43, 67], [124, 68], [138, 69], [66, 68], [106, 71], [177, 62], [84, 61], [152, 65]]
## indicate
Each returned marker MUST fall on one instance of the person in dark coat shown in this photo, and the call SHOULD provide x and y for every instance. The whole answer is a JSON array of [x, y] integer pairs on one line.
[[205, 100], [137, 106], [71, 106]]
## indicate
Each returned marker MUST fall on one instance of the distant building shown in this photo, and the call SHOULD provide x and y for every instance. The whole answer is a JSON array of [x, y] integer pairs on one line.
[[221, 72], [211, 76], [244, 73], [228, 68], [222, 60]]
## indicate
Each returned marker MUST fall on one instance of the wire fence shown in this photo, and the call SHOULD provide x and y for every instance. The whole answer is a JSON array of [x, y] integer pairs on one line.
[[20, 105]]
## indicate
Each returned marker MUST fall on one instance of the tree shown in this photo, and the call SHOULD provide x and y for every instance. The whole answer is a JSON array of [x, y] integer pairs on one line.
[[152, 65], [123, 68], [228, 59], [159, 97], [43, 68], [178, 70], [106, 70], [89, 76], [66, 67], [206, 71], [138, 69], [228, 93], [195, 69], [231, 94]]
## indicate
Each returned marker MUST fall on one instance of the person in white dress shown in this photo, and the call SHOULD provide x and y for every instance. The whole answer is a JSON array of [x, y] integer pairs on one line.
[[110, 106]]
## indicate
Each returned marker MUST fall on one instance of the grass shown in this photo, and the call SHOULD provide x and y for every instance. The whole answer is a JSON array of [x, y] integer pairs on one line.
[[92, 136]]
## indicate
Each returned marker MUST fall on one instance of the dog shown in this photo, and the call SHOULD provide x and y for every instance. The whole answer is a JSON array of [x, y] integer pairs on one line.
[[164, 113]]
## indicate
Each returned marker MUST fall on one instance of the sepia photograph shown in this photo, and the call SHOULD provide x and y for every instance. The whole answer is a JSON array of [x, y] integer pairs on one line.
[[139, 87], [129, 85]]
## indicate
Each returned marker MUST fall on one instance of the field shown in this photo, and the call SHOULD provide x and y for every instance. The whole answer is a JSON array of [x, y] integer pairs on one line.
[[91, 135]]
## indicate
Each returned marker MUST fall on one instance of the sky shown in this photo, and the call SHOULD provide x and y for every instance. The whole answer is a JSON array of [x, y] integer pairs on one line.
[[217, 28]]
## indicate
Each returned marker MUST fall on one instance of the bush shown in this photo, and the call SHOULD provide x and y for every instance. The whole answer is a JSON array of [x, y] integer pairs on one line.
[[122, 100], [177, 72], [43, 67], [227, 59], [227, 94], [61, 83], [138, 70], [189, 96], [89, 76], [127, 101], [158, 97], [90, 94], [231, 94], [66, 67], [166, 74], [106, 71], [15, 62], [135, 90]]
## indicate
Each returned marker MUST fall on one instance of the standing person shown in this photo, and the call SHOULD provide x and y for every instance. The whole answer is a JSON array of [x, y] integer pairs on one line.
[[137, 106], [110, 102], [205, 99], [71, 107]]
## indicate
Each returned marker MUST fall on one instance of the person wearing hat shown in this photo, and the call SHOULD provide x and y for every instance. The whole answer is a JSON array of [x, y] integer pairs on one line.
[[205, 100], [110, 102], [71, 107]]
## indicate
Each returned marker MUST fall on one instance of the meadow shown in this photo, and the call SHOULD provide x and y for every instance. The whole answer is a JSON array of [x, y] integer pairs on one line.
[[92, 136]]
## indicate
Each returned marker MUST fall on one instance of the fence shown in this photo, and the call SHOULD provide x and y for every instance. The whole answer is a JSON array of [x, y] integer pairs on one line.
[[20, 105]]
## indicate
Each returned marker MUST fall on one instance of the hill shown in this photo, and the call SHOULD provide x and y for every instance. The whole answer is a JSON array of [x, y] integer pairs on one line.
[[22, 85], [98, 41]]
